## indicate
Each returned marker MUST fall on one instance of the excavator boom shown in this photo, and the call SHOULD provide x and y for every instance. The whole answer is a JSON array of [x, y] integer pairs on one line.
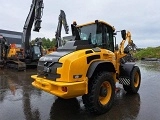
[[61, 21], [34, 17]]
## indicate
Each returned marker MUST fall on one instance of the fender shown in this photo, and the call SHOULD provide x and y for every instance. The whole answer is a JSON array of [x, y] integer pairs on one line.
[[126, 68], [100, 66]]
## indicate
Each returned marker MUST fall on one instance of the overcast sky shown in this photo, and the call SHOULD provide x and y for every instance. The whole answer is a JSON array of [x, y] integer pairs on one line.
[[140, 17]]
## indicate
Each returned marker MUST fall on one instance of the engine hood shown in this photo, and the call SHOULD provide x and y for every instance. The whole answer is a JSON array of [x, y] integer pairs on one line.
[[69, 47], [54, 56]]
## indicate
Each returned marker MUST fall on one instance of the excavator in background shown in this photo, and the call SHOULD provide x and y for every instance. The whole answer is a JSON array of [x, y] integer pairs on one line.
[[61, 21], [89, 65], [28, 54], [3, 50], [33, 52], [10, 54], [14, 56]]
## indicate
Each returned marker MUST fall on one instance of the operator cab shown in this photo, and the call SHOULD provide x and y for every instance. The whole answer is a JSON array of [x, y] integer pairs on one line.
[[36, 51], [98, 33]]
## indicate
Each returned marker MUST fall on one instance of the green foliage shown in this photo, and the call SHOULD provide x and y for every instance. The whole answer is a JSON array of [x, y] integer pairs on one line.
[[149, 52], [47, 43]]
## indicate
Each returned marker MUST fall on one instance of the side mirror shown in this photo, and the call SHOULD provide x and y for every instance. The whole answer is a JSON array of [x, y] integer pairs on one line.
[[115, 33], [123, 34]]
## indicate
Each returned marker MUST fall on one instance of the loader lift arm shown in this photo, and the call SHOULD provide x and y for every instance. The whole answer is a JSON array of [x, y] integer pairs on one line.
[[126, 53], [34, 17], [61, 21], [130, 46]]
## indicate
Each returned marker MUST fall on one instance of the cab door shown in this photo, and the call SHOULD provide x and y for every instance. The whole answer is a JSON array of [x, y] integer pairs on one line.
[[107, 35]]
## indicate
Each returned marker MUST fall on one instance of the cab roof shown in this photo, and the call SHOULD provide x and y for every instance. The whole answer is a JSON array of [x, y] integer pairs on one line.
[[100, 21]]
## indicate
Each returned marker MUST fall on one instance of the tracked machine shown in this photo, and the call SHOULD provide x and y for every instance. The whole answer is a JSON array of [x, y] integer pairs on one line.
[[33, 52], [3, 50], [14, 56], [27, 54], [10, 55], [89, 65]]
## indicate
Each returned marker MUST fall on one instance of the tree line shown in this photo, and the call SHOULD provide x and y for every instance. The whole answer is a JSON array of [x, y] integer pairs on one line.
[[47, 43]]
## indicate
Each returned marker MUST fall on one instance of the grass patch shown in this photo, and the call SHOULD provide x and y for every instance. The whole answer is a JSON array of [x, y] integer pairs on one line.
[[150, 52]]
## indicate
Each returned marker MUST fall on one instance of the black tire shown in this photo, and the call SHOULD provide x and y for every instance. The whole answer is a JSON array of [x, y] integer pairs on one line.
[[135, 81], [101, 93]]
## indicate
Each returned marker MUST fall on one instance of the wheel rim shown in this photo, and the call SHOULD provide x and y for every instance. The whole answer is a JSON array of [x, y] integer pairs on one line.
[[105, 93], [136, 79]]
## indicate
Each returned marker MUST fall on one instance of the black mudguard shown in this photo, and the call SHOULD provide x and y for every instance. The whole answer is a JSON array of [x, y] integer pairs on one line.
[[126, 68], [125, 73], [100, 65]]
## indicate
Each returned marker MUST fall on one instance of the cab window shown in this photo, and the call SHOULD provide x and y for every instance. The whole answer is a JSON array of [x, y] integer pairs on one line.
[[108, 38]]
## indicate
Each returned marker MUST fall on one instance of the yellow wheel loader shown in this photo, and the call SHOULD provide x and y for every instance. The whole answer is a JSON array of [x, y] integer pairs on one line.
[[89, 65]]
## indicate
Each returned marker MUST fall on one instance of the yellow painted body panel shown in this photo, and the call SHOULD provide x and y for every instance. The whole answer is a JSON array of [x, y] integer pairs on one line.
[[12, 52], [74, 89], [74, 64]]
